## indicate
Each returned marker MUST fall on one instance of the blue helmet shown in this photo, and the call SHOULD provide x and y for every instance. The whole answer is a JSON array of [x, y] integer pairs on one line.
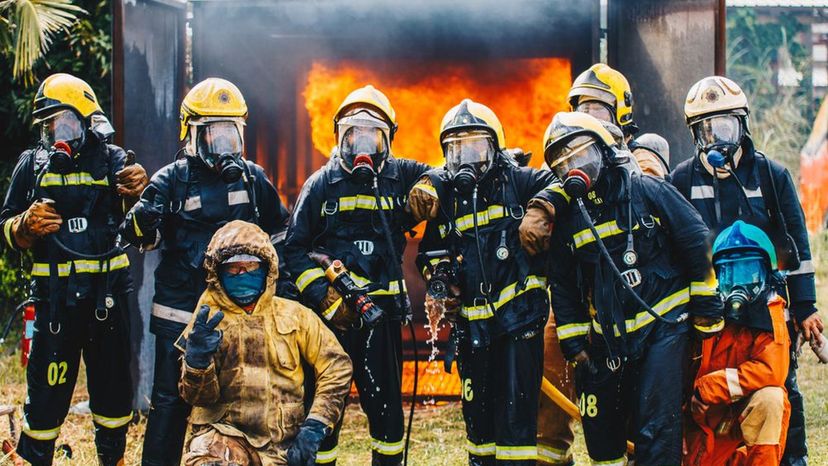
[[742, 237]]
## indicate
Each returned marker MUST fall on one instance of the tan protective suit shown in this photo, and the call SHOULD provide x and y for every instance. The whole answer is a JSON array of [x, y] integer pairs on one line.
[[250, 400]]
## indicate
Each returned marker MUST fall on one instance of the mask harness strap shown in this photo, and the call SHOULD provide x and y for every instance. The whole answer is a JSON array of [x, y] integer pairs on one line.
[[251, 190], [403, 304]]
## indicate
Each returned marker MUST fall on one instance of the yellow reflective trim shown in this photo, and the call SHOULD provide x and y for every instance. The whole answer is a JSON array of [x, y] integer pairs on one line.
[[549, 454], [605, 230], [644, 318], [361, 201], [8, 233], [557, 188], [331, 310], [41, 269], [72, 179], [427, 188], [309, 276], [111, 422], [507, 294], [516, 453], [706, 288], [387, 448], [325, 457], [718, 326], [393, 287], [484, 449], [47, 434], [616, 462], [138, 232], [494, 212], [577, 329]]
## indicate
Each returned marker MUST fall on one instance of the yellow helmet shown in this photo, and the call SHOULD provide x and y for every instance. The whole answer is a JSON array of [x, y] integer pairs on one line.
[[468, 115], [602, 83], [714, 95], [63, 91], [566, 126], [372, 98], [213, 98]]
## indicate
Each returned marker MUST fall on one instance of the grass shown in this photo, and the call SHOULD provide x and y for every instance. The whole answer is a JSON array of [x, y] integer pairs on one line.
[[438, 434]]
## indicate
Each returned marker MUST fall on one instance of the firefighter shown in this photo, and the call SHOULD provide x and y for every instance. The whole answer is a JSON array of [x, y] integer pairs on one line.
[[652, 153], [604, 93], [499, 301], [629, 273], [750, 186], [243, 365], [352, 211], [740, 408], [184, 204], [66, 198]]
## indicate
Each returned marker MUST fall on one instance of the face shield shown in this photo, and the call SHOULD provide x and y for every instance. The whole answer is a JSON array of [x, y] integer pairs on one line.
[[596, 109], [581, 154], [215, 138], [742, 276], [719, 130], [471, 149], [363, 134], [65, 126]]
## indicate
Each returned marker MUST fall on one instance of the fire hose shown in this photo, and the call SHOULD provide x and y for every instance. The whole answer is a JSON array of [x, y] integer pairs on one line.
[[568, 406]]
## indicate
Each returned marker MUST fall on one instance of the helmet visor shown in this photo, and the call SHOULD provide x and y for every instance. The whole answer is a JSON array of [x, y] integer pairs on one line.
[[597, 109], [65, 126], [719, 129], [580, 153], [363, 133], [216, 138], [469, 148], [746, 271]]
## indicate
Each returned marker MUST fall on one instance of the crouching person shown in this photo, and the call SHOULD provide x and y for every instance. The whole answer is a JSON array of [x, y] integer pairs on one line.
[[740, 408], [243, 354]]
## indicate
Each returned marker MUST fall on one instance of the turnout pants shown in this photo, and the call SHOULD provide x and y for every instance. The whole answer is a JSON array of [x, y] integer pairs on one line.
[[167, 420], [103, 341], [640, 401], [500, 391], [376, 355], [555, 427], [796, 448], [210, 447]]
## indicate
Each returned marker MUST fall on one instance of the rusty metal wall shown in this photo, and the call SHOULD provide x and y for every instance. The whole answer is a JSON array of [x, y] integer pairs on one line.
[[148, 55], [663, 47]]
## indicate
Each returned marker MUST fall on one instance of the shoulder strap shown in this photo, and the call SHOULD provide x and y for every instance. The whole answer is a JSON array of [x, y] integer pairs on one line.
[[181, 169], [767, 181], [681, 180]]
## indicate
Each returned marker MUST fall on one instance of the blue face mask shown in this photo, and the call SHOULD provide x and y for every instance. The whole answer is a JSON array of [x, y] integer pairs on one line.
[[244, 288]]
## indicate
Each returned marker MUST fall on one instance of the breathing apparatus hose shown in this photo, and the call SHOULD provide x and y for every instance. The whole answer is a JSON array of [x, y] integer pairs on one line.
[[485, 285], [406, 304], [608, 258]]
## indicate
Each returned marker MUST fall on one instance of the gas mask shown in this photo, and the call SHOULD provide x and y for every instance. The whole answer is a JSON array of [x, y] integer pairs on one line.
[[598, 109], [743, 279], [219, 144], [363, 144], [719, 133], [578, 164], [63, 134], [469, 155]]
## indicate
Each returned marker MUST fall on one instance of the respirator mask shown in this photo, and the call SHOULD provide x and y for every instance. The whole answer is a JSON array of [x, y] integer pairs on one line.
[[578, 164], [363, 144], [743, 278], [63, 133], [469, 155], [219, 144], [719, 134]]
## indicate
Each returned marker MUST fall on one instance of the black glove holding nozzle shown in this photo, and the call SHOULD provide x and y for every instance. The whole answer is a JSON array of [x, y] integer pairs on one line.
[[354, 296]]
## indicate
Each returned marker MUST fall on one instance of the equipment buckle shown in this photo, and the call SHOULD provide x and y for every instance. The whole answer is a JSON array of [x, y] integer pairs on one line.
[[614, 364], [519, 209], [648, 222], [632, 277], [77, 224], [328, 210], [480, 302], [52, 330], [105, 314]]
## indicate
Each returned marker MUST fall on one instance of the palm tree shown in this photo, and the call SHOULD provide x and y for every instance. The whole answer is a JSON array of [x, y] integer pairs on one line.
[[27, 28]]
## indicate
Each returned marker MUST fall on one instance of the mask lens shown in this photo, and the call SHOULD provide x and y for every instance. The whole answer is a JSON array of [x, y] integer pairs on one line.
[[363, 132], [747, 272], [475, 148], [62, 126], [216, 138], [597, 109], [717, 130], [580, 153]]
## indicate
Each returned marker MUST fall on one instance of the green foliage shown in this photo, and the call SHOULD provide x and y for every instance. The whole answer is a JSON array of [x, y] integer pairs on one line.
[[780, 117], [84, 51]]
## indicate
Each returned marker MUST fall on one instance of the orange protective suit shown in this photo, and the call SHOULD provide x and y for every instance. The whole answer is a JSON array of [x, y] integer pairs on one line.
[[742, 379]]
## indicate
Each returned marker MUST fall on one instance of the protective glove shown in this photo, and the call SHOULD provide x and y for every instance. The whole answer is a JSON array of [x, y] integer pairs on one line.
[[535, 230], [343, 317], [131, 181], [204, 339], [307, 442], [423, 202], [812, 326], [582, 359], [39, 220], [706, 327], [698, 408], [448, 307], [148, 216]]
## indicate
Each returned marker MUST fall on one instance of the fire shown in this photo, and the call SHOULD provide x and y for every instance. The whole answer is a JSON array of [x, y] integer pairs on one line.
[[524, 93]]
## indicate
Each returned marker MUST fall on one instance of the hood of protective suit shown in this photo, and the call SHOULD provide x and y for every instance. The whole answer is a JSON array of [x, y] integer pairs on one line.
[[239, 237]]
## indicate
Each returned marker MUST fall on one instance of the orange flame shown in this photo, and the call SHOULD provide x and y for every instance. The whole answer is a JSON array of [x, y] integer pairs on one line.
[[524, 93]]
